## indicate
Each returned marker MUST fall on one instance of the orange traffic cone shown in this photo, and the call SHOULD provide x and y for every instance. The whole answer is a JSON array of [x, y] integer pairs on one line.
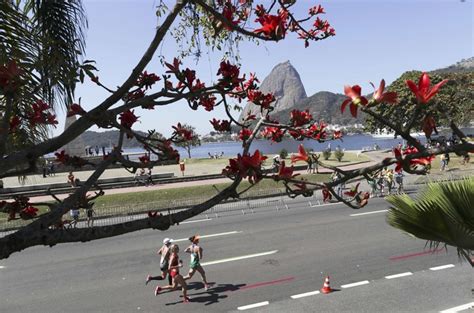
[[326, 288]]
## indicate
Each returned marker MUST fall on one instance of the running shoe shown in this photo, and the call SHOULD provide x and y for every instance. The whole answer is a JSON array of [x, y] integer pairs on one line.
[[186, 300], [206, 287], [148, 278], [157, 290]]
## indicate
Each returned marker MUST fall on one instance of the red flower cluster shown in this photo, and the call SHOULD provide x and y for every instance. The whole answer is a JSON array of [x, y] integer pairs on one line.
[[184, 133], [300, 118], [147, 80], [317, 131], [379, 95], [316, 10], [428, 126], [28, 213], [354, 99], [169, 152], [127, 119], [144, 159], [10, 75], [273, 26], [285, 172], [230, 74], [260, 99], [353, 191], [327, 196], [273, 133], [337, 135], [14, 123], [244, 134], [208, 102], [220, 126], [423, 92], [41, 115], [246, 166], [135, 95], [17, 207], [75, 161], [424, 161]]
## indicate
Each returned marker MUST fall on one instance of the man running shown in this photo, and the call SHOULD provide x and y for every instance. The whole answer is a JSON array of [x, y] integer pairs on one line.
[[194, 264], [164, 262]]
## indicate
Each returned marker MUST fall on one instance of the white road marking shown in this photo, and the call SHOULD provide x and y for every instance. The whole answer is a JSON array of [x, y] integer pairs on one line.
[[459, 308], [366, 213], [251, 306], [211, 235], [306, 294], [399, 275], [442, 267], [1, 266], [237, 258], [359, 283], [197, 221]]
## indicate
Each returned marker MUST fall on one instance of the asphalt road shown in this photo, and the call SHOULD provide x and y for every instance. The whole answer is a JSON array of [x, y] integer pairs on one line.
[[260, 258]]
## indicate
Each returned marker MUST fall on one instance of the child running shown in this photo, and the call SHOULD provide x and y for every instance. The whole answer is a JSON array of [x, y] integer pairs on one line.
[[194, 264], [174, 264]]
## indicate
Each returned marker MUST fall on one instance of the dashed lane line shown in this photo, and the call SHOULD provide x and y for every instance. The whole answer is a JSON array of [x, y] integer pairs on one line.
[[252, 306], [459, 308], [366, 213], [197, 221], [442, 267], [237, 258], [1, 266], [211, 235], [399, 275], [306, 294], [359, 283]]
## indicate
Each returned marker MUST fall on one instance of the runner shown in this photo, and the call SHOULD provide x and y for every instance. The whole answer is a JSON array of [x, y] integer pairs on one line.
[[164, 262], [196, 257], [174, 264]]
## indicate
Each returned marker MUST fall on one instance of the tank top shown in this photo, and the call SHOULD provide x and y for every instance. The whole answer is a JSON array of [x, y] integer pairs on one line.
[[194, 257]]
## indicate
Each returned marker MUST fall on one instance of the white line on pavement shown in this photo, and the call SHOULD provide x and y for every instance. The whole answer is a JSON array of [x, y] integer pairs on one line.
[[251, 306], [197, 221], [366, 213], [306, 294], [212, 235], [1, 266], [459, 308], [399, 275], [442, 267], [239, 258], [359, 283]]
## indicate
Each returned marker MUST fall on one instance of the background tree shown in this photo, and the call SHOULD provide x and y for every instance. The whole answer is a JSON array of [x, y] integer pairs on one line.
[[193, 141]]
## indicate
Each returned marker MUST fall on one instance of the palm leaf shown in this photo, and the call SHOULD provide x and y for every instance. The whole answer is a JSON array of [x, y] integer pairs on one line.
[[442, 213]]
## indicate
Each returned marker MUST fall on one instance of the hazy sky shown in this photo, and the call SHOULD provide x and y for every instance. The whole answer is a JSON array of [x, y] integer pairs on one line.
[[374, 40]]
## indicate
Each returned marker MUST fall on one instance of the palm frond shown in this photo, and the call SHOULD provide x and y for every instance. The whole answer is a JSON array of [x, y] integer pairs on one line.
[[442, 213]]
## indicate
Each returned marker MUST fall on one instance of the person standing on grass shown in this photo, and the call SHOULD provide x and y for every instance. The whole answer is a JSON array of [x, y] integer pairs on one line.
[[75, 217], [90, 216], [164, 252], [174, 265], [194, 265]]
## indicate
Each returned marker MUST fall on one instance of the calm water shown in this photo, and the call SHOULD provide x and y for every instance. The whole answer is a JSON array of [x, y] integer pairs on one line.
[[351, 142]]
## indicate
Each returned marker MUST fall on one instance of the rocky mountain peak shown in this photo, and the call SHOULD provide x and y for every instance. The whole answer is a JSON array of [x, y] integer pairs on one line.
[[285, 84]]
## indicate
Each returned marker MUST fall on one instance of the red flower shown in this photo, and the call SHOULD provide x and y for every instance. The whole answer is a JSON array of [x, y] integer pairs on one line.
[[144, 159], [429, 125], [244, 134], [327, 196], [301, 156], [380, 96], [230, 74], [173, 68], [300, 118], [246, 166], [273, 26], [62, 157], [40, 114], [137, 94], [285, 172], [183, 132], [423, 92], [297, 134], [354, 99], [337, 134], [127, 119], [28, 213], [316, 10], [147, 80], [208, 102], [353, 192], [275, 133], [220, 126], [10, 76], [75, 109], [261, 99], [317, 132], [424, 161]]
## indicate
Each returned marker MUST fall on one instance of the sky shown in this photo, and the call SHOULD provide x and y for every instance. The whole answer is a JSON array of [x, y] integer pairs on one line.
[[374, 40]]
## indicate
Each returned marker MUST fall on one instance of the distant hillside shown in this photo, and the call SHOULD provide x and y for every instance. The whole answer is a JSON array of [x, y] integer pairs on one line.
[[465, 65], [108, 139]]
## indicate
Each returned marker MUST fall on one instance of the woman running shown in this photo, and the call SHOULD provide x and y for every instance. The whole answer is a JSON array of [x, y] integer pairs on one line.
[[164, 252], [174, 264], [194, 264]]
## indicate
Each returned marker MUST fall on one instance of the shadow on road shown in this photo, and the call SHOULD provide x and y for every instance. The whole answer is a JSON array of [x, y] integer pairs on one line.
[[211, 296]]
